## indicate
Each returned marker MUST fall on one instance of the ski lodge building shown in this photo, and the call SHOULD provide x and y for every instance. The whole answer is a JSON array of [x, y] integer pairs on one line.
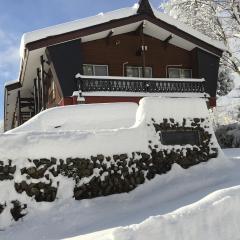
[[119, 56]]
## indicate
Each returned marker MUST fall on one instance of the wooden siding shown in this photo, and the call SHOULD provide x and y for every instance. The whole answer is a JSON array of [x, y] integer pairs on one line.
[[104, 99], [123, 48]]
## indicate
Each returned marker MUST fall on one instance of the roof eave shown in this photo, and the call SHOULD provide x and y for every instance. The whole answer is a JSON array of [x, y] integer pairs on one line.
[[52, 40]]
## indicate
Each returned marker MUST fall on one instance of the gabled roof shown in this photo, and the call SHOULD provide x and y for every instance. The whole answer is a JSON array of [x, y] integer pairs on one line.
[[143, 8]]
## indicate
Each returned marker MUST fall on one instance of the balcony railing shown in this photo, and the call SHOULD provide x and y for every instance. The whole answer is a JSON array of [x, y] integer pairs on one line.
[[141, 85]]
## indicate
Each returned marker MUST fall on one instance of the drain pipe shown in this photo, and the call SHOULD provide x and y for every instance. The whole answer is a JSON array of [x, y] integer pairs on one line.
[[123, 68]]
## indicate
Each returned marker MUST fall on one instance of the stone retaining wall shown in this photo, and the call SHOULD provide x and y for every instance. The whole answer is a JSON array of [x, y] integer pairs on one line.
[[102, 175]]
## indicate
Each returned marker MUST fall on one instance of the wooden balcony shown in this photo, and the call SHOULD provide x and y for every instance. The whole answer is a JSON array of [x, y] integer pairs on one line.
[[139, 85]]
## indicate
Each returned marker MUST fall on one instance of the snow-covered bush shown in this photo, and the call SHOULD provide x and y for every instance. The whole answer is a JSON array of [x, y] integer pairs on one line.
[[225, 81], [228, 136]]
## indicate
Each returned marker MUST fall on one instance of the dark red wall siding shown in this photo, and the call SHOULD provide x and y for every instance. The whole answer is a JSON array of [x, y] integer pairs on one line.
[[123, 48], [104, 99]]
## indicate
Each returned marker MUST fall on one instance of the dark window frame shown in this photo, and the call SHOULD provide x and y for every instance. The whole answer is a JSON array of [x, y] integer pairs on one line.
[[139, 70], [181, 69], [93, 68]]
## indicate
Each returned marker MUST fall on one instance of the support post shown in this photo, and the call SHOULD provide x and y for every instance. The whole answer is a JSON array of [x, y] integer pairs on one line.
[[39, 90], [35, 96], [42, 83], [19, 109]]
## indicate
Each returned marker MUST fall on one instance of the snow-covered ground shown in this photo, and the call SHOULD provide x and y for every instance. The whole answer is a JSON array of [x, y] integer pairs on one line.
[[166, 198], [197, 203]]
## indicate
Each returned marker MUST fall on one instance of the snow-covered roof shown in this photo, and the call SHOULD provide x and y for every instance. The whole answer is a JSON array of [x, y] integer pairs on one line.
[[172, 21], [107, 17], [75, 25]]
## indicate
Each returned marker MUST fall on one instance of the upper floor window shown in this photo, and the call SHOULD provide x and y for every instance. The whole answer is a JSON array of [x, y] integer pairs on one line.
[[138, 72], [95, 70], [179, 73]]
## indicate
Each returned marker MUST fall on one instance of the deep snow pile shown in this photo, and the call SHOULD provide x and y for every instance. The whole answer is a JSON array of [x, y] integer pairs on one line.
[[35, 144], [215, 214], [152, 114], [81, 117], [42, 165], [215, 217]]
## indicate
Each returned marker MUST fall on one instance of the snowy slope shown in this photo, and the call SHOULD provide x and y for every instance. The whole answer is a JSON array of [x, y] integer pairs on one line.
[[66, 218], [162, 195], [217, 216]]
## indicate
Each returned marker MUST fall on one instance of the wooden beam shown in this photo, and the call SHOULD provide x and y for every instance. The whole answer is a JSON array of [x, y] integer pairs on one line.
[[109, 36], [39, 89], [24, 104], [145, 8], [42, 82], [35, 96], [13, 86], [139, 30], [19, 108], [27, 99], [168, 39]]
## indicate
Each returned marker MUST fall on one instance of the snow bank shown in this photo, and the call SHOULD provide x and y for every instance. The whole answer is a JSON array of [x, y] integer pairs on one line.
[[176, 108], [85, 164], [81, 117], [215, 217], [67, 218], [63, 144]]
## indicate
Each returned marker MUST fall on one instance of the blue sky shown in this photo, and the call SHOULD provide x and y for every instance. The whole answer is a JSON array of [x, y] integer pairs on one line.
[[19, 16]]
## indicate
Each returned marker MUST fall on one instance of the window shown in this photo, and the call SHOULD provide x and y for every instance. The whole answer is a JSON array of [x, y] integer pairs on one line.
[[179, 73], [175, 137], [137, 72], [95, 70]]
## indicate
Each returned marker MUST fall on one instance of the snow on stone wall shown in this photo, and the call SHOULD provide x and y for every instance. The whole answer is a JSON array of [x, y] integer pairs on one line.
[[42, 166]]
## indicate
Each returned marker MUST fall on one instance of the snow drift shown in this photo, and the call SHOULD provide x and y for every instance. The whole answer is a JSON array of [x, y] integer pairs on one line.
[[66, 218], [46, 164], [81, 117], [216, 216]]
